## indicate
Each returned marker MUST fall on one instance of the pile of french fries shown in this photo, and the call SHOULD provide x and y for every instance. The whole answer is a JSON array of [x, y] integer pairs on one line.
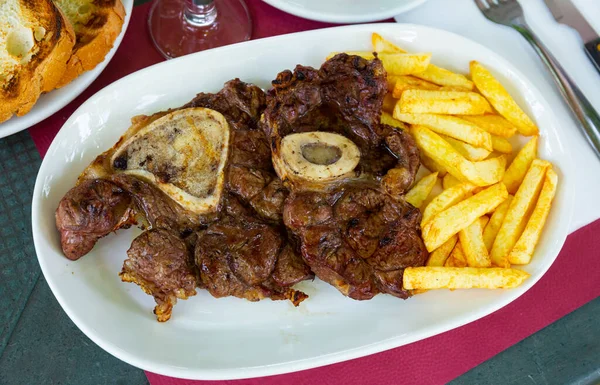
[[487, 216]]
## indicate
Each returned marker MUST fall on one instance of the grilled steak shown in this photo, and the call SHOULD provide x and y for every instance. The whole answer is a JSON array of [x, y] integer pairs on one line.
[[241, 249], [357, 238], [354, 229], [161, 264], [90, 211], [344, 96]]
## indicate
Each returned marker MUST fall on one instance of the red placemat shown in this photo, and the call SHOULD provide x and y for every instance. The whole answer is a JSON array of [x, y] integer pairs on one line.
[[570, 283]]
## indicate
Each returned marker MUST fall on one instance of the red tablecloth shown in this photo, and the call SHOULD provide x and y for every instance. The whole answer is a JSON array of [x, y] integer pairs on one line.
[[570, 283]]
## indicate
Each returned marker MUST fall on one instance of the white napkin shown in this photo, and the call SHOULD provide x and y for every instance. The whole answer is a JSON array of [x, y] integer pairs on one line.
[[464, 18]]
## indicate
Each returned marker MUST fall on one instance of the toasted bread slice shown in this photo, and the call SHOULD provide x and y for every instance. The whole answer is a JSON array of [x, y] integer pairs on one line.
[[97, 24], [36, 41]]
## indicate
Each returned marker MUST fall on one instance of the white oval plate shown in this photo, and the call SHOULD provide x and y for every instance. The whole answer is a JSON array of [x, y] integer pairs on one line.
[[230, 338], [54, 100], [345, 11]]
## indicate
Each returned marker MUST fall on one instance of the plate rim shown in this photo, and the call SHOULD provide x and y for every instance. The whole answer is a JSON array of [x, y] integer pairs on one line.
[[79, 85], [288, 7], [320, 360]]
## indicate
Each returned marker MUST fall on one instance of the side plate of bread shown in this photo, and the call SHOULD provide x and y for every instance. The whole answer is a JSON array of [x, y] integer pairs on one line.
[[51, 51]]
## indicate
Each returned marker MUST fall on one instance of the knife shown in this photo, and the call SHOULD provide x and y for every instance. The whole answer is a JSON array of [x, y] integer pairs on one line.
[[565, 12]]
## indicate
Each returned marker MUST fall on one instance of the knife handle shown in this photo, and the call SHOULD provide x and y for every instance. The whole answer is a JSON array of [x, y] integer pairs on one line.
[[592, 48]]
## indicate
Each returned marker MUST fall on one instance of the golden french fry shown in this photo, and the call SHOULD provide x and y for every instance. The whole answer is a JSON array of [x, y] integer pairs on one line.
[[435, 277], [388, 119], [494, 124], [482, 173], [501, 99], [455, 88], [444, 77], [519, 210], [433, 166], [455, 218], [439, 256], [501, 145], [404, 63], [523, 251], [449, 181], [448, 125], [421, 190], [409, 82], [491, 230], [457, 257], [471, 240], [389, 103], [520, 165], [382, 45], [447, 198], [391, 82], [467, 150], [443, 102]]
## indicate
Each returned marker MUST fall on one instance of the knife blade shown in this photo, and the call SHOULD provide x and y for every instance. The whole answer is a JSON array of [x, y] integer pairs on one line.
[[565, 12]]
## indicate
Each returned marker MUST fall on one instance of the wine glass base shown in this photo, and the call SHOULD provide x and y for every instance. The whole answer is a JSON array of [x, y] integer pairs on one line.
[[174, 34]]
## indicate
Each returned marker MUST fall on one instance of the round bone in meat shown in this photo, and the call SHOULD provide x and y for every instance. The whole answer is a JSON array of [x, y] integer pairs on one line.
[[183, 153], [315, 158]]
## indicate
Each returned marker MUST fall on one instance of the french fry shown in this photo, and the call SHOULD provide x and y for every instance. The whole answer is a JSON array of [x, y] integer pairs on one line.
[[449, 181], [443, 102], [483, 173], [455, 88], [408, 82], [523, 251], [435, 277], [457, 257], [388, 119], [444, 77], [491, 230], [501, 145], [471, 240], [447, 198], [450, 221], [519, 210], [439, 256], [467, 150], [391, 82], [389, 103], [421, 190], [382, 45], [433, 166], [518, 168], [404, 63], [396, 63], [494, 124], [501, 99], [448, 125]]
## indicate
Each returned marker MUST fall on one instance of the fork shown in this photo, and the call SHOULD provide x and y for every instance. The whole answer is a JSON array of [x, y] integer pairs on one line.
[[510, 13]]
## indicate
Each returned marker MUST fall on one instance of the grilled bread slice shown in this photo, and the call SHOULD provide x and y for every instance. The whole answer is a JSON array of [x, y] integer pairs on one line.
[[36, 41], [97, 24]]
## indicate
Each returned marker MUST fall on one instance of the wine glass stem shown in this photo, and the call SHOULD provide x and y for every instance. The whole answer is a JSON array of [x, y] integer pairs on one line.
[[200, 13]]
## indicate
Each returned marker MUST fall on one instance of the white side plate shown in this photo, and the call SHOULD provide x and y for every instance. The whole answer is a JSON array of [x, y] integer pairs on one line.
[[53, 101], [230, 338], [345, 11]]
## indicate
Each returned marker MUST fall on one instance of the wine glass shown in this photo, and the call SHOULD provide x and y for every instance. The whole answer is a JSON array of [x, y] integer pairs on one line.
[[180, 27]]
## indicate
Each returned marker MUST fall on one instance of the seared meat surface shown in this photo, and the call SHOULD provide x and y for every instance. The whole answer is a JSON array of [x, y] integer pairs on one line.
[[90, 211], [357, 238], [245, 257], [161, 264], [344, 96]]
